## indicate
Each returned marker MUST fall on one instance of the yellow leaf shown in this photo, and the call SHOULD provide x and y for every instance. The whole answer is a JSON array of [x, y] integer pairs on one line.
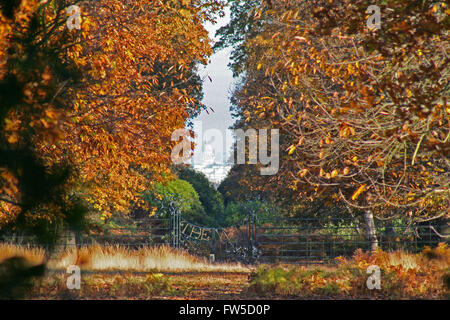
[[358, 191], [291, 149], [152, 211]]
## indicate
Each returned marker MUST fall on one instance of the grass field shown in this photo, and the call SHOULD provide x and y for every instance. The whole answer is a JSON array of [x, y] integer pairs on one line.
[[165, 273], [102, 258]]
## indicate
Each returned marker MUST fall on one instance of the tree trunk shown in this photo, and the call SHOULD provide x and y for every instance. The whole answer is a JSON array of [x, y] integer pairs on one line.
[[67, 240], [371, 233], [71, 241]]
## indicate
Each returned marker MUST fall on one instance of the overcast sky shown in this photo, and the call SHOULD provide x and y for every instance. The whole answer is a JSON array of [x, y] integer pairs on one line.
[[216, 93]]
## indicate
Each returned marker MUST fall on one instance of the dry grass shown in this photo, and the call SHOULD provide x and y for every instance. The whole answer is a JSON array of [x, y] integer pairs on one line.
[[406, 260], [34, 255], [437, 258], [102, 258], [425, 275]]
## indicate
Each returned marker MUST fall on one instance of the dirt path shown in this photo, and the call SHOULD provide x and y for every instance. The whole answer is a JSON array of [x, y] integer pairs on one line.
[[184, 285], [209, 285]]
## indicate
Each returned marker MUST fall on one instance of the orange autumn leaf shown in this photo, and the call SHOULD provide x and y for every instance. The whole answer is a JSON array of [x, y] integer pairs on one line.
[[358, 191]]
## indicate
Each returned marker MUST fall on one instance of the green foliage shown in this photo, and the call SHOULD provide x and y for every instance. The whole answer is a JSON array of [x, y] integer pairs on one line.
[[231, 187], [292, 281], [177, 195], [209, 197], [237, 211]]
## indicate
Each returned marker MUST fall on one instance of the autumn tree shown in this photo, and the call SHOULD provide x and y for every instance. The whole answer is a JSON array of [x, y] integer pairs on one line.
[[139, 61], [103, 99], [33, 195], [363, 112]]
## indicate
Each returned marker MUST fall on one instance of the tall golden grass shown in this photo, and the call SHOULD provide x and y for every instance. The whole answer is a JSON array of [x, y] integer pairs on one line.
[[110, 258], [438, 258], [34, 255]]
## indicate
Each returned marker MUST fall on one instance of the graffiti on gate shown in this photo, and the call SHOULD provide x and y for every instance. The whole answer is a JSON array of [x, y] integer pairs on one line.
[[197, 233], [224, 243]]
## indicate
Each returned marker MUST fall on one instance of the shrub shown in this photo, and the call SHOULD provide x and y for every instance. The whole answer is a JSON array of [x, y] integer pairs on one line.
[[403, 276]]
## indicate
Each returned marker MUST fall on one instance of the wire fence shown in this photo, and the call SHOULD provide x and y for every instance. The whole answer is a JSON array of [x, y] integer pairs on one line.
[[317, 241], [298, 240], [148, 232]]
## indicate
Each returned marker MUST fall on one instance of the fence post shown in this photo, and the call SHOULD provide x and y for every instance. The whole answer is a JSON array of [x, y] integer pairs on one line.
[[173, 227], [308, 252], [255, 240], [250, 234], [213, 241], [371, 231], [176, 229]]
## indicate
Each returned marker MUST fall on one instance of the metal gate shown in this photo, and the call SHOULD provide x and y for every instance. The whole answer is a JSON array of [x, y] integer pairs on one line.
[[299, 240], [306, 240], [259, 240], [235, 243], [316, 241]]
